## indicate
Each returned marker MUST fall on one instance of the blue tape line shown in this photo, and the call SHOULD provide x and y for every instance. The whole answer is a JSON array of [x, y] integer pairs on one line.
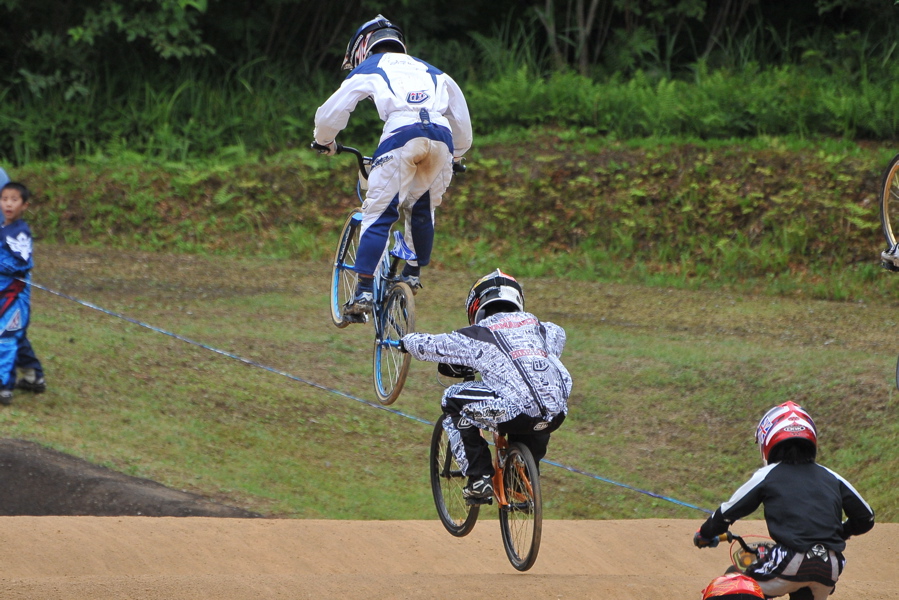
[[339, 393]]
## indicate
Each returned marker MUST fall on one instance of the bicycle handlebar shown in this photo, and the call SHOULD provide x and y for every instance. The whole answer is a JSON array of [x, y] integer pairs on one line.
[[360, 158], [730, 537]]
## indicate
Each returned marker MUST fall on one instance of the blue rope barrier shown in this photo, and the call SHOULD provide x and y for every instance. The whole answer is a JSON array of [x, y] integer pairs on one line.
[[336, 391]]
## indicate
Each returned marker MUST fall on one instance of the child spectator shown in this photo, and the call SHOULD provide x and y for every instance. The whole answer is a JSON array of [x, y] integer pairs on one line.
[[26, 360], [15, 275]]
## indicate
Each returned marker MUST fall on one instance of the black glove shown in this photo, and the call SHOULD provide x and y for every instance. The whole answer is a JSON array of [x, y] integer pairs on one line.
[[702, 542], [457, 371]]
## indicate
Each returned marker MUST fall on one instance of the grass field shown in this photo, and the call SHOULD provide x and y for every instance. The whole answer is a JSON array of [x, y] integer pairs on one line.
[[669, 385]]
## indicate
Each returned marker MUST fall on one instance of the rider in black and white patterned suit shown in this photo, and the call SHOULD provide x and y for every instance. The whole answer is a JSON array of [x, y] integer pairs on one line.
[[524, 387]]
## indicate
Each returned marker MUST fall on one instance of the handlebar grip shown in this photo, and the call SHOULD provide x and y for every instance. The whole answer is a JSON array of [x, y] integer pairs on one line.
[[459, 167], [321, 148]]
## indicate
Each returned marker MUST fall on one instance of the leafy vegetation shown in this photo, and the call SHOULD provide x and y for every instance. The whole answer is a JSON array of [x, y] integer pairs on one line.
[[182, 80], [784, 216]]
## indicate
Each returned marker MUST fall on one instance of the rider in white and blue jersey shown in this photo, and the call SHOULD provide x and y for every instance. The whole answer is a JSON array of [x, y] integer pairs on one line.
[[426, 127]]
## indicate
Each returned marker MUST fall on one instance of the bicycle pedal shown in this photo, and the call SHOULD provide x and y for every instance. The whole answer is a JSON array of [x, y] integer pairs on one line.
[[478, 501], [355, 318]]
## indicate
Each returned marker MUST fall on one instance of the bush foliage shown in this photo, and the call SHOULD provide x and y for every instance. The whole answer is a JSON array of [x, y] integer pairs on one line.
[[785, 216]]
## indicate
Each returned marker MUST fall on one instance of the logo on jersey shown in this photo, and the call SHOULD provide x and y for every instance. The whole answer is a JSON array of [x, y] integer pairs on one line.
[[381, 161], [515, 354], [21, 244], [417, 97], [15, 323]]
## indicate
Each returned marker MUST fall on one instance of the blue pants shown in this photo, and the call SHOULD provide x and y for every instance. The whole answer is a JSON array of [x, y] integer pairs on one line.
[[13, 323], [26, 359]]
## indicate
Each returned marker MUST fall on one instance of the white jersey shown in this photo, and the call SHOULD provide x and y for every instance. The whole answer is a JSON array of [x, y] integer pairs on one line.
[[401, 87]]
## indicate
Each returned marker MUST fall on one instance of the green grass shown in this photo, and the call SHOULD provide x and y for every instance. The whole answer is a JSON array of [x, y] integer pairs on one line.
[[669, 385]]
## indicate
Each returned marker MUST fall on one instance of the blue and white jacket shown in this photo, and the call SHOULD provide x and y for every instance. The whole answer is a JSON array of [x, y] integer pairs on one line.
[[16, 262], [401, 86]]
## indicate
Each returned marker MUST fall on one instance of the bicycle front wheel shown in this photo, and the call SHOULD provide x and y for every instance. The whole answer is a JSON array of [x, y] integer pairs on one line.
[[889, 204], [343, 275], [395, 319], [447, 482], [521, 517]]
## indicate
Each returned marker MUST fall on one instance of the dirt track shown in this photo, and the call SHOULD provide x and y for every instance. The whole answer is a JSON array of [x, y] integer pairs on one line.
[[173, 558]]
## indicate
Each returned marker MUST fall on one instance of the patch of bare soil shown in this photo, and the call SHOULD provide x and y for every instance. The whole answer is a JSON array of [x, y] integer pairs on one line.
[[39, 481]]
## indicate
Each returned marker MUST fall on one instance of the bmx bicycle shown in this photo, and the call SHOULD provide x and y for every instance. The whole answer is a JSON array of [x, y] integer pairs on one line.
[[516, 488], [889, 202], [744, 552], [393, 306]]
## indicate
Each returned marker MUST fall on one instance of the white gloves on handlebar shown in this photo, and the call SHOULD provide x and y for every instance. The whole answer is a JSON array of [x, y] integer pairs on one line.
[[331, 148]]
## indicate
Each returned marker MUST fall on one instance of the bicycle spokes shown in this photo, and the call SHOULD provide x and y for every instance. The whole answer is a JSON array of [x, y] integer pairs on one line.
[[521, 514], [447, 482], [394, 319]]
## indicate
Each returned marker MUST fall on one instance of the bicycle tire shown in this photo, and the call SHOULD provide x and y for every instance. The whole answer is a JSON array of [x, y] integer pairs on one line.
[[521, 519], [447, 481], [889, 204], [395, 319], [343, 275]]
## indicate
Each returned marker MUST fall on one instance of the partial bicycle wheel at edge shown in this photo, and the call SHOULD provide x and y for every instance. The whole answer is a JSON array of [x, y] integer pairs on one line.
[[897, 374], [395, 319], [343, 277], [889, 201], [521, 521], [447, 482]]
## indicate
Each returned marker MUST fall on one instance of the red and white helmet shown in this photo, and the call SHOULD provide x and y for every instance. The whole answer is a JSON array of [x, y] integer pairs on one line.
[[788, 421], [495, 287], [372, 33]]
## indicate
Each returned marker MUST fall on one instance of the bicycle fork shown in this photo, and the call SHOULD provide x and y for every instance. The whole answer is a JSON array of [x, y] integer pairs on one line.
[[514, 499]]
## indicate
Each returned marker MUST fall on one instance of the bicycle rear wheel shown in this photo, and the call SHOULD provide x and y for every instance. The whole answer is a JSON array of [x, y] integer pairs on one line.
[[343, 275], [889, 205], [447, 482], [521, 519], [395, 319]]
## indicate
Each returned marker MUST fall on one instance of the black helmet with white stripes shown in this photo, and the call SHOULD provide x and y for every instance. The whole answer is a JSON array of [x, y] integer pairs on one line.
[[490, 290]]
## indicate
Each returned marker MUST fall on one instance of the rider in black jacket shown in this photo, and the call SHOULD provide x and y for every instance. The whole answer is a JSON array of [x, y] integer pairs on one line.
[[804, 506]]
